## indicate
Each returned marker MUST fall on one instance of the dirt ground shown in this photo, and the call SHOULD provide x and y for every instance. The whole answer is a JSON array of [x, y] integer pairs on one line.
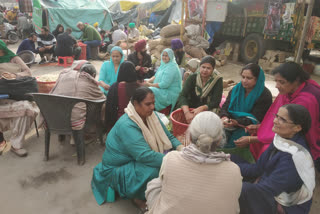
[[30, 185]]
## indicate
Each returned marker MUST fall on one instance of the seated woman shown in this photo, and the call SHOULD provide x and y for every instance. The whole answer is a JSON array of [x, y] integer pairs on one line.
[[59, 29], [120, 93], [284, 174], [110, 69], [295, 86], [16, 116], [246, 104], [202, 90], [167, 83], [134, 151], [213, 183]]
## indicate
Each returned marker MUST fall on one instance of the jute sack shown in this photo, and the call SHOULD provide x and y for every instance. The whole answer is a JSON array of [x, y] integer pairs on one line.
[[156, 53], [170, 30], [195, 52], [167, 41], [153, 43]]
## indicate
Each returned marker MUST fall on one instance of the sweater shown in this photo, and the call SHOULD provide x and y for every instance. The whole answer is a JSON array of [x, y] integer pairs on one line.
[[189, 98], [189, 187], [90, 33], [27, 44]]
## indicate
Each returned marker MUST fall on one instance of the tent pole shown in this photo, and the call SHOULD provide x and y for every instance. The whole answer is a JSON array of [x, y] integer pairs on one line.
[[304, 31], [182, 20], [204, 16]]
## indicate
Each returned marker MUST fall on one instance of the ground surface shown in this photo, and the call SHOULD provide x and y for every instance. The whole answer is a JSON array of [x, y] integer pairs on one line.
[[30, 185]]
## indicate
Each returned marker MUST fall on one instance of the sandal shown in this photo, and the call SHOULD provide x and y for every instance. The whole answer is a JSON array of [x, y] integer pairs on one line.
[[138, 204], [3, 146], [19, 152]]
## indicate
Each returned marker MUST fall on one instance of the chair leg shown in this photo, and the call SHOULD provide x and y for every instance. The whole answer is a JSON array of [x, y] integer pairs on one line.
[[47, 145], [36, 126], [79, 141]]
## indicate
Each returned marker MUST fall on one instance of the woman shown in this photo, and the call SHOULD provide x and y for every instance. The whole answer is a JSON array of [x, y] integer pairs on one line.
[[294, 86], [16, 116], [120, 93], [284, 174], [212, 181], [110, 69], [134, 151], [246, 104], [202, 90], [59, 29], [166, 84]]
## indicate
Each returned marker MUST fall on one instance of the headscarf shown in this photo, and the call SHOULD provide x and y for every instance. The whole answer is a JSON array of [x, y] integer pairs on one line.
[[117, 48], [127, 72], [141, 44], [240, 105], [171, 61], [132, 25], [8, 54], [176, 44]]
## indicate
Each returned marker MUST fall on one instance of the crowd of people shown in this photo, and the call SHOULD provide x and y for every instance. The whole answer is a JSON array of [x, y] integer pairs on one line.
[[248, 154]]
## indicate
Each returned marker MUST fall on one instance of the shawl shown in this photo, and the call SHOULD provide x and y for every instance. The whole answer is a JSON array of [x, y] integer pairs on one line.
[[11, 108], [307, 99], [192, 153], [8, 53], [107, 72], [169, 65], [304, 165], [203, 91], [154, 133]]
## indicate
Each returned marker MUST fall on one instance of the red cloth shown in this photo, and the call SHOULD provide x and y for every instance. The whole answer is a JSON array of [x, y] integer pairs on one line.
[[140, 45], [307, 95], [122, 99]]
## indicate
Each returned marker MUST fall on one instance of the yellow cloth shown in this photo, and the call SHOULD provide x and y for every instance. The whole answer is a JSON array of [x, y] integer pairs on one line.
[[154, 133], [11, 16]]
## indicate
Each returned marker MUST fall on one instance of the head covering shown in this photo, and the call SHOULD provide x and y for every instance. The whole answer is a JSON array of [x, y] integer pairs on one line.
[[176, 44], [171, 56], [208, 59], [241, 105], [121, 27], [127, 72], [132, 25], [8, 54], [141, 44], [194, 63], [95, 24]]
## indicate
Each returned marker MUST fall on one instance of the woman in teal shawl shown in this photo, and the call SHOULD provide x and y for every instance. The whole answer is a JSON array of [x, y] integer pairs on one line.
[[246, 104], [110, 69], [167, 83]]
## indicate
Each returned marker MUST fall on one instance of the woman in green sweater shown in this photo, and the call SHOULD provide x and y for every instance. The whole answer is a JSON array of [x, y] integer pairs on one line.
[[202, 90]]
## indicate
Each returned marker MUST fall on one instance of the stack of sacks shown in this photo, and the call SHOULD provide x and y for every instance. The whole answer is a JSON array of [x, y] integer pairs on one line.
[[167, 34], [197, 43]]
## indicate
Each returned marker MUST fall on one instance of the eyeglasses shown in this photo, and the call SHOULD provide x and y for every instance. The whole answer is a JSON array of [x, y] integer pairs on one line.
[[281, 119]]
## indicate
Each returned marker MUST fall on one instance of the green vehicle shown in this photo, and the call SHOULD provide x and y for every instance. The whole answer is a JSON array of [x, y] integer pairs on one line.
[[261, 25]]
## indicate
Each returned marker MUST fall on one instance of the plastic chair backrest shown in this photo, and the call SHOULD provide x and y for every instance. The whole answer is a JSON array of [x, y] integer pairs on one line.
[[56, 110]]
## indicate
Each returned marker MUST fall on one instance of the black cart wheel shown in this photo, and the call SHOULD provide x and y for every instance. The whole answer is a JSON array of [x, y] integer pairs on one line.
[[252, 48]]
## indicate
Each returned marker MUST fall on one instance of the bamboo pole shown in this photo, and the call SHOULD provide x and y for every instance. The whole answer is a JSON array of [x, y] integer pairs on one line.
[[204, 16], [182, 20], [304, 32]]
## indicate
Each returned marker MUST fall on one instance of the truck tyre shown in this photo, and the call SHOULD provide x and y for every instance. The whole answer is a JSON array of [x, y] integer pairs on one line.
[[252, 48]]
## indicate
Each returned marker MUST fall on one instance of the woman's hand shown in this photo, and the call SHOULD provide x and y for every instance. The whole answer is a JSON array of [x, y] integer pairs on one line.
[[199, 109], [104, 85], [252, 129], [138, 68], [189, 116], [243, 142]]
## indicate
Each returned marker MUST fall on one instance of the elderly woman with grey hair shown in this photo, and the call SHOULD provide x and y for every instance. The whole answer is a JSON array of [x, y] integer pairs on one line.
[[198, 179]]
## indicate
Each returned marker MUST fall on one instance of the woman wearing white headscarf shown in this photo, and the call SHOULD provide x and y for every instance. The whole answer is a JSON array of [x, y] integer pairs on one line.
[[198, 179]]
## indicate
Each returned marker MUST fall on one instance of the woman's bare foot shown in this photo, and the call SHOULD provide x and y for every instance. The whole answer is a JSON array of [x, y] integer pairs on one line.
[[140, 203]]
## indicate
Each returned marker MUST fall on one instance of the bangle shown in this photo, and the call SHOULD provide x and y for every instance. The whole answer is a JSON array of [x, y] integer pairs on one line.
[[249, 139]]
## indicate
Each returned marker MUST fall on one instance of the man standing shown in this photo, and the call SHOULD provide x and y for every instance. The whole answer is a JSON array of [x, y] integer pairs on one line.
[[118, 35], [90, 37], [46, 44], [29, 44], [67, 45], [141, 60]]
